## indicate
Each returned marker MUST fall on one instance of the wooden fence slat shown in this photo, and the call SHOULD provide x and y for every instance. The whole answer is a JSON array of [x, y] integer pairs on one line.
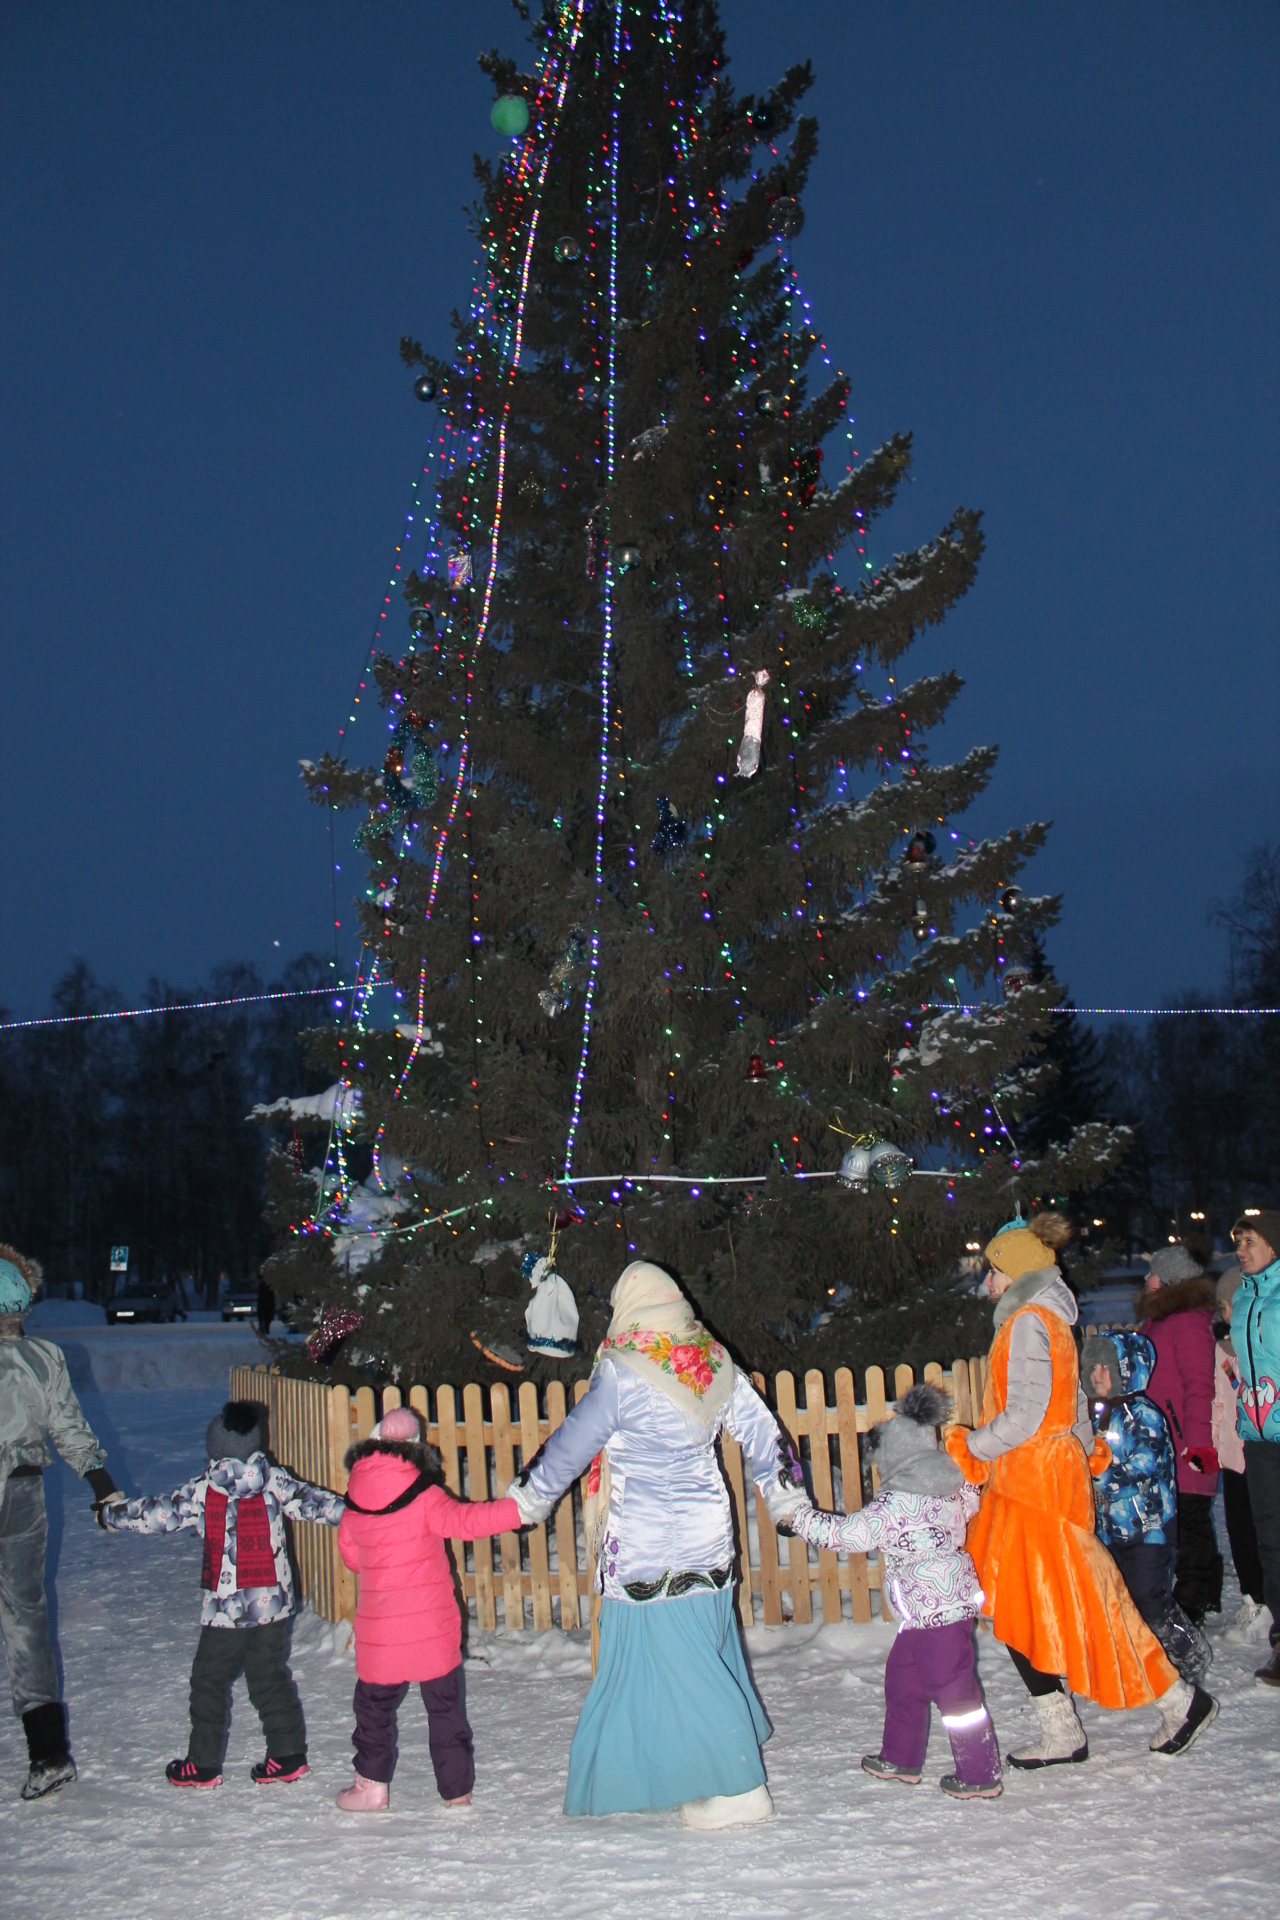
[[566, 1534], [934, 1377], [504, 1463], [391, 1399], [877, 1411], [851, 1482], [539, 1563], [418, 1401], [977, 1387], [344, 1581], [478, 1489], [797, 1549], [815, 1396], [366, 1412], [903, 1381], [961, 1398], [450, 1466], [731, 1455]]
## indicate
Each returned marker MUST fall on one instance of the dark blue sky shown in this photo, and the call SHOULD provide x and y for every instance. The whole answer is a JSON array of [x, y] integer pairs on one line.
[[1044, 238]]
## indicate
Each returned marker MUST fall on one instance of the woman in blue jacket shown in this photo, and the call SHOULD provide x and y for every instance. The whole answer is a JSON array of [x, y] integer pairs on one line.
[[1255, 1333]]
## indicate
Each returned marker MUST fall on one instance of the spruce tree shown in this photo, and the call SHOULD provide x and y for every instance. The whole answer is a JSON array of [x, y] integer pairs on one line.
[[625, 949]]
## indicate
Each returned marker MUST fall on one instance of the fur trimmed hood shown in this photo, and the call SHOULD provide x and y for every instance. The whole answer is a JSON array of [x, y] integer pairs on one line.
[[423, 1459], [1185, 1296]]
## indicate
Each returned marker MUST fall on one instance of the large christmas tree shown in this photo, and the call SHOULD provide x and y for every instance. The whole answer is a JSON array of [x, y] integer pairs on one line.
[[675, 902]]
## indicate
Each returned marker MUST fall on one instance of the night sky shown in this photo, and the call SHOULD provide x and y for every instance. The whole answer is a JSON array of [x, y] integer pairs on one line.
[[1044, 238]]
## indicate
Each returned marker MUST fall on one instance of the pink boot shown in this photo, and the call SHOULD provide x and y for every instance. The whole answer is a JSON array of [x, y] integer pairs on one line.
[[364, 1796]]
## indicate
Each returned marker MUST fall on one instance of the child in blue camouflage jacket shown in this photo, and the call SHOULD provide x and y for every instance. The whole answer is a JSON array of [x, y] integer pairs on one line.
[[1136, 1499]]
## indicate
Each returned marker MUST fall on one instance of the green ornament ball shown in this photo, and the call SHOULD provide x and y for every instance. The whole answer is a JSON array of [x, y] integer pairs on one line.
[[510, 114]]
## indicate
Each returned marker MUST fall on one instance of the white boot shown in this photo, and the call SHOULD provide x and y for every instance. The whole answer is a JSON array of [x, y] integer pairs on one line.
[[1185, 1712], [1252, 1625], [728, 1810], [1061, 1739]]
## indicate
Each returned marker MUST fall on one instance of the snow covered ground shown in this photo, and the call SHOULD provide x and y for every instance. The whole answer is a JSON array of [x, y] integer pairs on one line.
[[1130, 1835]]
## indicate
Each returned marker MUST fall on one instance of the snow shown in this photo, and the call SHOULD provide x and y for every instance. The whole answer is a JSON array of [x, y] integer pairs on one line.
[[1130, 1834], [123, 1359]]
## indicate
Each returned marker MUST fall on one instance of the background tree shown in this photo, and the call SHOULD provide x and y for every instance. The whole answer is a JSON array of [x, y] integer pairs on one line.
[[638, 952]]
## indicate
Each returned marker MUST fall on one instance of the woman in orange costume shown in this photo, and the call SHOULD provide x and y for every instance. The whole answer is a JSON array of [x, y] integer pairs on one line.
[[1052, 1592]]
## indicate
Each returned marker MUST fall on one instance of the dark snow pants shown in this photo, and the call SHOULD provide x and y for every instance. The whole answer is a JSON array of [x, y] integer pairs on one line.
[[448, 1731], [1146, 1567], [935, 1664], [24, 1611], [1241, 1533], [1197, 1578], [262, 1655], [1262, 1466]]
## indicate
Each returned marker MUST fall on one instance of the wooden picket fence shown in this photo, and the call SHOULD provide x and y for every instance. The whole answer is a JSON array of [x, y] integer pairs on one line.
[[540, 1579]]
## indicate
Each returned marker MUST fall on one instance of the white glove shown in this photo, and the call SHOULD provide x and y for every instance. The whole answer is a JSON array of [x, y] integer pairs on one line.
[[533, 1509], [782, 1498]]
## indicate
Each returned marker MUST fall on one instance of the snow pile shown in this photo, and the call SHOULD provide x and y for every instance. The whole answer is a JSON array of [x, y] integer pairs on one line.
[[1130, 1834], [130, 1359], [335, 1103]]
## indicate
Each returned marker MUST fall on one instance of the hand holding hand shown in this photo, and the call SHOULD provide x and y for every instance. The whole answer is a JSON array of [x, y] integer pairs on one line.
[[956, 1441]]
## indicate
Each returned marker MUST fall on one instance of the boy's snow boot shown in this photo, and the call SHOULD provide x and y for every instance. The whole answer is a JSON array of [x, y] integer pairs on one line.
[[728, 1810], [1252, 1622], [1185, 1643], [882, 1769], [1061, 1735], [1270, 1674], [971, 1789], [364, 1796], [51, 1764], [1185, 1712], [185, 1773], [271, 1772]]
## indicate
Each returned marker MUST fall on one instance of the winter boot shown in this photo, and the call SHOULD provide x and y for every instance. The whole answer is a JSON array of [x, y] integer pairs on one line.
[[728, 1810], [51, 1764], [272, 1773], [463, 1800], [1061, 1735], [1184, 1642], [364, 1796], [1270, 1674], [882, 1769], [1252, 1623], [1185, 1712], [958, 1789], [185, 1773]]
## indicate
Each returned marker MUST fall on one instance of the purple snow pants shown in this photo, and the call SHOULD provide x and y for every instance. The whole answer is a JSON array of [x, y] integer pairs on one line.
[[936, 1664], [448, 1731]]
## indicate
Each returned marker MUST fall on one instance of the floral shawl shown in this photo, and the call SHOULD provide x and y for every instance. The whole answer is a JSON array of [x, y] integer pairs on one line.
[[655, 1334]]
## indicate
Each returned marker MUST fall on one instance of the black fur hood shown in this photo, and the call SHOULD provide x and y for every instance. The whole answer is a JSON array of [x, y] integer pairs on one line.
[[423, 1459]]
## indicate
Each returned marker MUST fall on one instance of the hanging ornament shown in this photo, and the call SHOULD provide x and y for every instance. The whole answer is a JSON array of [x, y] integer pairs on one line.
[[855, 1169], [555, 998], [510, 114], [756, 1069], [770, 403], [1015, 980], [890, 1166], [1012, 899], [920, 848], [551, 1317], [920, 921], [425, 387], [805, 614], [332, 1328], [458, 567], [763, 118], [420, 622], [409, 781], [786, 217], [753, 728], [625, 558], [672, 831], [531, 487], [500, 1354], [807, 465], [567, 249], [646, 444]]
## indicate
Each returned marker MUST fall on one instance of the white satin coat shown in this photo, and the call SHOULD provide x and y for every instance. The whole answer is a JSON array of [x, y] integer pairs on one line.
[[669, 1510]]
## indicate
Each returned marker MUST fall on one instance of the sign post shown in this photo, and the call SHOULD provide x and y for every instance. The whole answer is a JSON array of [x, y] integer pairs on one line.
[[119, 1259]]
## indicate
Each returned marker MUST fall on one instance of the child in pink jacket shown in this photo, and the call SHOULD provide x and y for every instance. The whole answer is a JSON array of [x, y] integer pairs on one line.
[[393, 1532]]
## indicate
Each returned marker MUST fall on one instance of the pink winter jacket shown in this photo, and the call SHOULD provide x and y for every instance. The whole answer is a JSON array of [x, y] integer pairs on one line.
[[407, 1621], [1179, 1324]]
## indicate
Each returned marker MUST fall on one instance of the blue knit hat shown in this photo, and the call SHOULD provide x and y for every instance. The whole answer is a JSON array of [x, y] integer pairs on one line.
[[15, 1293]]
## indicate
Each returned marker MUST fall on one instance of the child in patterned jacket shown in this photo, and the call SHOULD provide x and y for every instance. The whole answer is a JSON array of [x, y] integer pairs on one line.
[[917, 1524], [238, 1506]]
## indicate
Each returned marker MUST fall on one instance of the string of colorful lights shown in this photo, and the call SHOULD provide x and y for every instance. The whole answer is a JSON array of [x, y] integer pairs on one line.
[[337, 989]]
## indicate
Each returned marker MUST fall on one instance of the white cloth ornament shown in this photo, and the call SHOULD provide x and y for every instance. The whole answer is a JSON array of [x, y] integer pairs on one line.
[[551, 1317], [753, 728]]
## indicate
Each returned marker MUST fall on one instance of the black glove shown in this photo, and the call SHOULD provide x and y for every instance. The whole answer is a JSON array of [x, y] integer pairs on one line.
[[101, 1482]]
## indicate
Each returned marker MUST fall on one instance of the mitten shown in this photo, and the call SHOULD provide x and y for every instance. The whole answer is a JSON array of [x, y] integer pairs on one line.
[[1202, 1460], [782, 1498], [532, 1508], [956, 1441], [1100, 1458]]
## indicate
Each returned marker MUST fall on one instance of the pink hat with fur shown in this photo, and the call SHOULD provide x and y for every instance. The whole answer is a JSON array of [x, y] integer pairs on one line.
[[401, 1423]]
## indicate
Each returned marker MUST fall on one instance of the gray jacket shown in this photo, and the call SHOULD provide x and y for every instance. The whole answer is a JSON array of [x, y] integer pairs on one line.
[[1030, 1379], [37, 1405]]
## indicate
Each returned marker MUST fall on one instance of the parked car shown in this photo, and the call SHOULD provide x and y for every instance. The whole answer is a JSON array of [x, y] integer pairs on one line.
[[240, 1304], [155, 1304]]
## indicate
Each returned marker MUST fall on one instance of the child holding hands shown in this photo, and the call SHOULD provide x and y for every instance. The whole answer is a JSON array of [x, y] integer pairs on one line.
[[917, 1524]]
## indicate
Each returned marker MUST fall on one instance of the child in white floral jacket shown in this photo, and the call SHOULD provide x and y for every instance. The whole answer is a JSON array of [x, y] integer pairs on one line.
[[238, 1506], [917, 1524]]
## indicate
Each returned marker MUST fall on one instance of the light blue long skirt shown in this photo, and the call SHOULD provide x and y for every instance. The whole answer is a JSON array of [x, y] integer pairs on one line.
[[672, 1714]]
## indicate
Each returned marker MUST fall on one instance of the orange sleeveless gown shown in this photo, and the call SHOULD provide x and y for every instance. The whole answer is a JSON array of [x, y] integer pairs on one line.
[[1052, 1591]]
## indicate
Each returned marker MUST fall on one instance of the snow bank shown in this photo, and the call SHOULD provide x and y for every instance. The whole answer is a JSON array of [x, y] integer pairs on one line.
[[1130, 1835], [126, 1359]]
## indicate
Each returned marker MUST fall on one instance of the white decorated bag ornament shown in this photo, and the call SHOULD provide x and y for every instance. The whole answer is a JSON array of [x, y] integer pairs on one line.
[[551, 1317], [753, 728]]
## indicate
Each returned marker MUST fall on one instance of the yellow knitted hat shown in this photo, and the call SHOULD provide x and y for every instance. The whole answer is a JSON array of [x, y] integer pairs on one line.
[[1019, 1250]]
